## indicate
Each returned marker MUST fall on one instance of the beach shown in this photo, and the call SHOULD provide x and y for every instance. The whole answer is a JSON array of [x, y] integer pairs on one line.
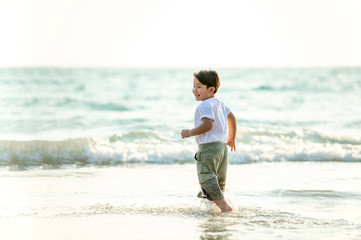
[[270, 200], [97, 153]]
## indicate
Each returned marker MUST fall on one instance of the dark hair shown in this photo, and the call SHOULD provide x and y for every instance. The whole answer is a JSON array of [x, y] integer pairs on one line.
[[209, 78]]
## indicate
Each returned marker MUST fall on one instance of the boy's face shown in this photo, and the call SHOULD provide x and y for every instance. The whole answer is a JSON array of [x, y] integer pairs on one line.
[[200, 91]]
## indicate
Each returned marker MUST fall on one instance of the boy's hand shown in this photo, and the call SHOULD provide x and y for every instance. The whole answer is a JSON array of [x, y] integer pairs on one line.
[[231, 144], [186, 133]]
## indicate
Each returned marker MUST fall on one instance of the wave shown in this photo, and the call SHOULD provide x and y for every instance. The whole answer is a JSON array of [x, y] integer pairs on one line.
[[304, 135], [93, 151], [153, 147]]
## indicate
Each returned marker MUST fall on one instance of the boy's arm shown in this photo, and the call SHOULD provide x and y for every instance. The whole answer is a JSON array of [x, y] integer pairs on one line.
[[206, 125], [232, 128]]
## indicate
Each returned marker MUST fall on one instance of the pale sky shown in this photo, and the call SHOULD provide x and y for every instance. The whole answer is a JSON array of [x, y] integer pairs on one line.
[[180, 33]]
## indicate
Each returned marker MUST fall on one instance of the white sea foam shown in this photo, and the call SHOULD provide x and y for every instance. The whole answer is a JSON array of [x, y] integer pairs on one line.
[[152, 147]]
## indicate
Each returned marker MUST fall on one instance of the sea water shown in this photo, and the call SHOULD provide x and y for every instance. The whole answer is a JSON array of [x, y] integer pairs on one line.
[[97, 153]]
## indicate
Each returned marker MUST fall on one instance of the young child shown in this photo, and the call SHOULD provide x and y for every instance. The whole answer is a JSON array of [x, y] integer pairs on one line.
[[213, 121]]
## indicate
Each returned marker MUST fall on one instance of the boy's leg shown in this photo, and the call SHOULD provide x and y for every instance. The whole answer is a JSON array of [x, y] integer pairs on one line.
[[208, 158], [222, 169], [212, 160], [208, 182]]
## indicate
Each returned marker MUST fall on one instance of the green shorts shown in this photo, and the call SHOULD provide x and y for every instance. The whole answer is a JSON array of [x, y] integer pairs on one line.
[[212, 161]]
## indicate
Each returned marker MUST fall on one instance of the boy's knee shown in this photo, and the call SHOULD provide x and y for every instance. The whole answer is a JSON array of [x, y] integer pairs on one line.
[[206, 177], [212, 189]]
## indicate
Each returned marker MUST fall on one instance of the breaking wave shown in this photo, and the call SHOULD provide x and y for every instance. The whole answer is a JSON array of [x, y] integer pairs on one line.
[[152, 147]]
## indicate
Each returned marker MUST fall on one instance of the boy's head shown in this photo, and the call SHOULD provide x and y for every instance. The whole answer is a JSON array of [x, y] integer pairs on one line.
[[209, 78]]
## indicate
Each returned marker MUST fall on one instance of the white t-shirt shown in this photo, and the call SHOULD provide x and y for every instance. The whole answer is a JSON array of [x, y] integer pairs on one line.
[[214, 109]]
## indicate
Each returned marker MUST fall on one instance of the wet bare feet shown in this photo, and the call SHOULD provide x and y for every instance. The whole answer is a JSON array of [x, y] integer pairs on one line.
[[223, 205]]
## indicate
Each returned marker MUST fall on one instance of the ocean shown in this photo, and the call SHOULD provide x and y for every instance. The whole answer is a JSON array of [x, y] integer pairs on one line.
[[95, 153]]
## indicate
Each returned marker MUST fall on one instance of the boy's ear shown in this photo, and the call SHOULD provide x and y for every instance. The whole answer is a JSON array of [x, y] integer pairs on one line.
[[213, 89]]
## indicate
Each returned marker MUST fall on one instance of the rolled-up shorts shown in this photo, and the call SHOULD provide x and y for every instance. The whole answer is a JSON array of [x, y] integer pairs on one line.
[[212, 161]]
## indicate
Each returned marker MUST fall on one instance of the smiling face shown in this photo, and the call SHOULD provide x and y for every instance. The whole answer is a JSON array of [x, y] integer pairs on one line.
[[201, 92]]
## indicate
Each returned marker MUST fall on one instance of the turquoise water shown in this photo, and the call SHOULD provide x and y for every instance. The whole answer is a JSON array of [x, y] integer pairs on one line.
[[111, 116], [97, 154]]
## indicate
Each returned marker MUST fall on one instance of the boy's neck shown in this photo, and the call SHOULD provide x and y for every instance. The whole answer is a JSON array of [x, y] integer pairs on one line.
[[209, 97]]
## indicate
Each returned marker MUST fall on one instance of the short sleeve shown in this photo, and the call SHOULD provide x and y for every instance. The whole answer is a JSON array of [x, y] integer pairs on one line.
[[227, 109], [206, 111]]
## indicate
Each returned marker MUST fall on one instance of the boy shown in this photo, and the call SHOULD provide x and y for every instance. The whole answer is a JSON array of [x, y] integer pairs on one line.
[[212, 121]]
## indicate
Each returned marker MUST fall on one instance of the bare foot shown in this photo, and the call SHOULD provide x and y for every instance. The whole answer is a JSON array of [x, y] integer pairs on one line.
[[223, 205]]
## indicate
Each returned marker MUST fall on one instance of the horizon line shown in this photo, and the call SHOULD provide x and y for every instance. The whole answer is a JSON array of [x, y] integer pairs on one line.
[[200, 66]]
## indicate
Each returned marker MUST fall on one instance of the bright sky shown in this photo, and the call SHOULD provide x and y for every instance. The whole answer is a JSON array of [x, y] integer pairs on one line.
[[180, 33]]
